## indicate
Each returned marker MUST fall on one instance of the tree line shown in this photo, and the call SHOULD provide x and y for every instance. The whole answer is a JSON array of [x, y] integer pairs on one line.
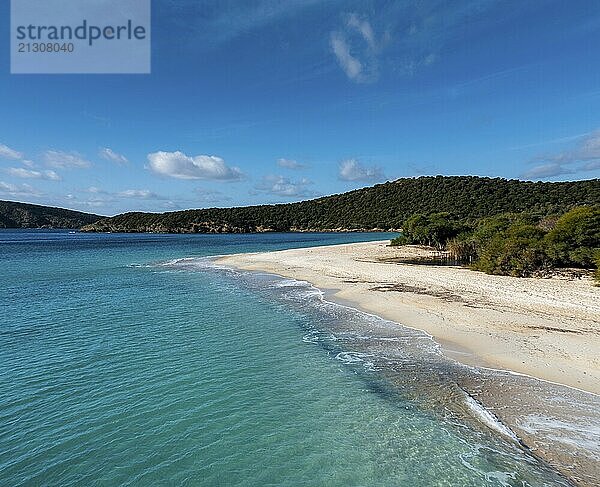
[[380, 207], [516, 244]]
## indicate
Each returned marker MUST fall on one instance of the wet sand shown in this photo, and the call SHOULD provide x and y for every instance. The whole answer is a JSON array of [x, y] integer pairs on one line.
[[503, 332]]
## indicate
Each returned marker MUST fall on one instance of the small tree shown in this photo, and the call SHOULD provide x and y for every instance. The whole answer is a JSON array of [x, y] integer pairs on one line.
[[434, 230]]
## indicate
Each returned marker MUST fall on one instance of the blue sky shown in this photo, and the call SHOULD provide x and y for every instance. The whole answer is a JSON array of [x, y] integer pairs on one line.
[[270, 101]]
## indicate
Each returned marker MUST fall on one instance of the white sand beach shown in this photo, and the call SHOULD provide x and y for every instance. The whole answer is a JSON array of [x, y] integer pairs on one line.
[[546, 328]]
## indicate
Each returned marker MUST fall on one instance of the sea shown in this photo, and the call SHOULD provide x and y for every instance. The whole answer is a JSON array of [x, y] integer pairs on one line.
[[135, 359]]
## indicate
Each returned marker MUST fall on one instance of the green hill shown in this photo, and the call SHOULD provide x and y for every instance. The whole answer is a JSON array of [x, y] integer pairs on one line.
[[24, 215], [384, 206]]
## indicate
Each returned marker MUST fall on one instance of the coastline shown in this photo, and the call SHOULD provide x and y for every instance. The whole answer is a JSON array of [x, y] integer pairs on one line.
[[543, 328], [523, 348]]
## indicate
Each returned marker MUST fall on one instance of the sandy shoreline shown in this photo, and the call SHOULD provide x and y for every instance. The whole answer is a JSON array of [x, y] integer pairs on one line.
[[519, 330], [545, 328]]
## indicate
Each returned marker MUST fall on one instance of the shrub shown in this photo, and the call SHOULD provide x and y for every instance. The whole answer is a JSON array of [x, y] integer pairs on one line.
[[517, 251], [575, 238], [515, 244]]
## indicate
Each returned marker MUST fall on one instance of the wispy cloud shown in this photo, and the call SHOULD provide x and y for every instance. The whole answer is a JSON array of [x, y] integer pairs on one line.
[[180, 166], [355, 49], [60, 159], [351, 65], [588, 151], [352, 170], [363, 27], [285, 187], [94, 197], [110, 155], [290, 164], [144, 194], [19, 190], [23, 173], [30, 171], [8, 153], [548, 170], [583, 157], [96, 190]]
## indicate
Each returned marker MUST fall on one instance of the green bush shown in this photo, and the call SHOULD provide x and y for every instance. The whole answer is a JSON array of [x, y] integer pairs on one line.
[[516, 251], [575, 238], [517, 244], [399, 240]]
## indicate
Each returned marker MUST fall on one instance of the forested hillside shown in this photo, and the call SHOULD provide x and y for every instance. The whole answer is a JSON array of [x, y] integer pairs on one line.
[[24, 215], [384, 206]]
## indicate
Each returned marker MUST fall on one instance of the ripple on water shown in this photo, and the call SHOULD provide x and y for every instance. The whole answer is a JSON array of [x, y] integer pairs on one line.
[[556, 424], [180, 373]]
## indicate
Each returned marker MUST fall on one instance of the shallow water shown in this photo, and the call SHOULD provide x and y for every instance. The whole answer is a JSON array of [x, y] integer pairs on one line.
[[124, 365]]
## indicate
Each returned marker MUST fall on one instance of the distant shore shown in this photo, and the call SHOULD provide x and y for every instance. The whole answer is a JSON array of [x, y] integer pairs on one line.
[[545, 328]]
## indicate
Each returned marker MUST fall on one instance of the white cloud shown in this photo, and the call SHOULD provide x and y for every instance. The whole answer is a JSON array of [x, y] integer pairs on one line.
[[8, 153], [356, 49], [364, 28], [180, 166], [352, 170], [351, 66], [91, 202], [18, 190], [290, 164], [587, 150], [28, 163], [60, 159], [586, 154], [110, 155], [144, 194], [547, 171], [590, 148], [282, 186], [20, 172], [138, 193]]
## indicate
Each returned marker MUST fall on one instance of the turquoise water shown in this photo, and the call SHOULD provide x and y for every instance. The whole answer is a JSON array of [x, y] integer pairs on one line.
[[123, 365]]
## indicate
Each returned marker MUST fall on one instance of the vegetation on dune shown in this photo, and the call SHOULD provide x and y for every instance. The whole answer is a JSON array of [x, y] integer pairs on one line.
[[516, 244], [24, 215], [381, 207]]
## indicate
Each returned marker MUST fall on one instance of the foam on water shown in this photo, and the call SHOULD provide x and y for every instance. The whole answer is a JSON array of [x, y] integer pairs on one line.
[[487, 418], [414, 364], [581, 436], [172, 372]]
